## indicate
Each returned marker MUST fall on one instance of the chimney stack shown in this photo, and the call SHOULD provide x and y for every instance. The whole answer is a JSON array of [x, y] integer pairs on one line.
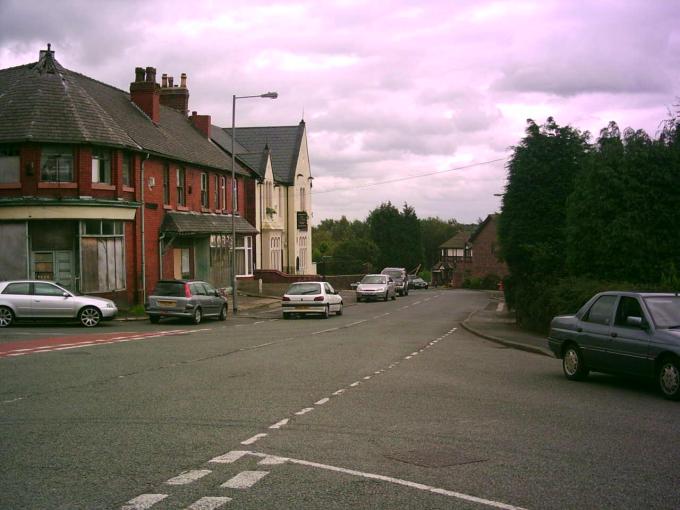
[[145, 92], [176, 97], [202, 123]]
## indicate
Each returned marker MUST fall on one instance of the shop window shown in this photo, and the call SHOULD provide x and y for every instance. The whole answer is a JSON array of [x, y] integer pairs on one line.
[[9, 164], [101, 166], [103, 255], [56, 163]]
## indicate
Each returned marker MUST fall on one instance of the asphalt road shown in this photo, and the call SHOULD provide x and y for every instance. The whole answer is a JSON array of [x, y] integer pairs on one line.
[[391, 405]]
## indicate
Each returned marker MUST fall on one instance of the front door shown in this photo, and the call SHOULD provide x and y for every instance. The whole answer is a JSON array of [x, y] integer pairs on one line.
[[54, 265]]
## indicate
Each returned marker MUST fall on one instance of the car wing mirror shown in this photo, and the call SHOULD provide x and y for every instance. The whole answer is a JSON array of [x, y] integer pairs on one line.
[[217, 293], [637, 322], [66, 294]]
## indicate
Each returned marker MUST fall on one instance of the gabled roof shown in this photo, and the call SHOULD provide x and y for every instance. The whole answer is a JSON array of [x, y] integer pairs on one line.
[[489, 219], [283, 142], [44, 102], [458, 240], [254, 161]]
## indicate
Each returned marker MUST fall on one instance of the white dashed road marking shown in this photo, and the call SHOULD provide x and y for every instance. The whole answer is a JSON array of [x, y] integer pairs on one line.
[[209, 503], [272, 460], [304, 411], [143, 502], [188, 477], [355, 383], [322, 401], [245, 479], [279, 424], [253, 439], [230, 457], [338, 392]]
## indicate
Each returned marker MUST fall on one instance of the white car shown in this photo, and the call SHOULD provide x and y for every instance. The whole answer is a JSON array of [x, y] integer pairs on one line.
[[311, 297], [45, 300], [376, 286]]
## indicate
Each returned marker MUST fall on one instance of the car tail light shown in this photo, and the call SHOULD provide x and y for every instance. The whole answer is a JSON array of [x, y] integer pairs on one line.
[[286, 298], [187, 291], [318, 298]]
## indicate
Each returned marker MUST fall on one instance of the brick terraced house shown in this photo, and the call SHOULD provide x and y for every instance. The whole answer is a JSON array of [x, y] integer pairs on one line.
[[107, 191]]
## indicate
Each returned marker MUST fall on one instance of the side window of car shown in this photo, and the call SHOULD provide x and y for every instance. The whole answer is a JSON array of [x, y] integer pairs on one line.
[[197, 289], [46, 289], [18, 289], [601, 311], [209, 290], [628, 307], [329, 289]]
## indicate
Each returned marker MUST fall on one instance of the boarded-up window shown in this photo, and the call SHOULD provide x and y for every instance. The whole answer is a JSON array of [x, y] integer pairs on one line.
[[103, 258]]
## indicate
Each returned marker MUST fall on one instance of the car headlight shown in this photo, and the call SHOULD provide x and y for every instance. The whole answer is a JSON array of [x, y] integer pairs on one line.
[[110, 305]]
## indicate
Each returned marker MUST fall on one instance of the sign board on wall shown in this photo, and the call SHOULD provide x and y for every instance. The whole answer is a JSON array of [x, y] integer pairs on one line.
[[302, 220]]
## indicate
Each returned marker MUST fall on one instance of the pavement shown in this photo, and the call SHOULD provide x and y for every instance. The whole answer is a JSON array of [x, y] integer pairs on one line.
[[495, 322]]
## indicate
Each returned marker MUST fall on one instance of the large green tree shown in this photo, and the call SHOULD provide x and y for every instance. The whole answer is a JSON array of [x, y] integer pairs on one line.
[[397, 236]]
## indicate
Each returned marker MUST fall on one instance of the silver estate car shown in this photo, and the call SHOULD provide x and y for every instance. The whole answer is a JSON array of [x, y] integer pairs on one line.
[[46, 300], [188, 299], [376, 286]]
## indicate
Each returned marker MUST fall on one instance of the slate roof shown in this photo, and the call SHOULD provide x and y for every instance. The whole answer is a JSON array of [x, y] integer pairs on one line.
[[254, 161], [282, 141], [191, 223], [44, 102]]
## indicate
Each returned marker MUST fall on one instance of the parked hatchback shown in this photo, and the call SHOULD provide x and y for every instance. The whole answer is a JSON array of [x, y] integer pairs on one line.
[[311, 297], [622, 332], [46, 300], [187, 299]]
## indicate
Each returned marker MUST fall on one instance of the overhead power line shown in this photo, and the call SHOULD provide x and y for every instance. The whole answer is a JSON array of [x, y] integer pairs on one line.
[[410, 177]]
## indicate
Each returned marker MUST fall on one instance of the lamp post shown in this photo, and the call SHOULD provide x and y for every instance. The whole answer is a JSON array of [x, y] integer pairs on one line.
[[234, 204]]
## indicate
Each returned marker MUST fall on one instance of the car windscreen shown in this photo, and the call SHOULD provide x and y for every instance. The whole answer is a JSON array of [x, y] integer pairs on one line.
[[373, 279], [170, 289], [665, 311], [298, 289]]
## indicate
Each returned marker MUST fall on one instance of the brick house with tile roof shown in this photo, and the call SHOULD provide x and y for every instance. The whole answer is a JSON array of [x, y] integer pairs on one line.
[[108, 191], [470, 254]]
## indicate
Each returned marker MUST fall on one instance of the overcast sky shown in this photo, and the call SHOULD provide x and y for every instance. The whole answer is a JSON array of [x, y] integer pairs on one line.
[[388, 89]]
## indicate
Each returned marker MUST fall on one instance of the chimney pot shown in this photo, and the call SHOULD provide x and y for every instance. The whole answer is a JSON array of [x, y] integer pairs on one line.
[[151, 74], [194, 113], [139, 74], [171, 81], [164, 78], [183, 80]]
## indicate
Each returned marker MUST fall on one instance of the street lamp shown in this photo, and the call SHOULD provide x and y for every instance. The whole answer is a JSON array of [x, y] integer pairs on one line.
[[270, 95]]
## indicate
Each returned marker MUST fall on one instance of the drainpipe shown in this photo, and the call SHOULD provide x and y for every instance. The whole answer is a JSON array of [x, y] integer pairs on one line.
[[160, 255], [142, 231]]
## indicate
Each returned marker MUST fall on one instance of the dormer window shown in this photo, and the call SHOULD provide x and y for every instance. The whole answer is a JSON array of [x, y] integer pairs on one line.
[[101, 166], [56, 163]]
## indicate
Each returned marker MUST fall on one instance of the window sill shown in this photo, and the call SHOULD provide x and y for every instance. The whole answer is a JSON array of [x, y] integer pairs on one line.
[[11, 185], [128, 189], [167, 207], [182, 208], [99, 185], [205, 210], [57, 185]]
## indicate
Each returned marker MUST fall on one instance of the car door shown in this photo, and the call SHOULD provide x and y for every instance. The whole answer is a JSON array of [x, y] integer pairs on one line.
[[334, 299], [18, 295], [49, 301], [198, 296], [215, 302], [629, 344], [594, 331]]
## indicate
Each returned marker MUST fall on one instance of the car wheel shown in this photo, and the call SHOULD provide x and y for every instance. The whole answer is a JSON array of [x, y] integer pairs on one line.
[[668, 377], [286, 316], [223, 313], [339, 312], [394, 296], [197, 317], [155, 319], [358, 299], [327, 312], [385, 296], [573, 365], [89, 316], [6, 317]]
